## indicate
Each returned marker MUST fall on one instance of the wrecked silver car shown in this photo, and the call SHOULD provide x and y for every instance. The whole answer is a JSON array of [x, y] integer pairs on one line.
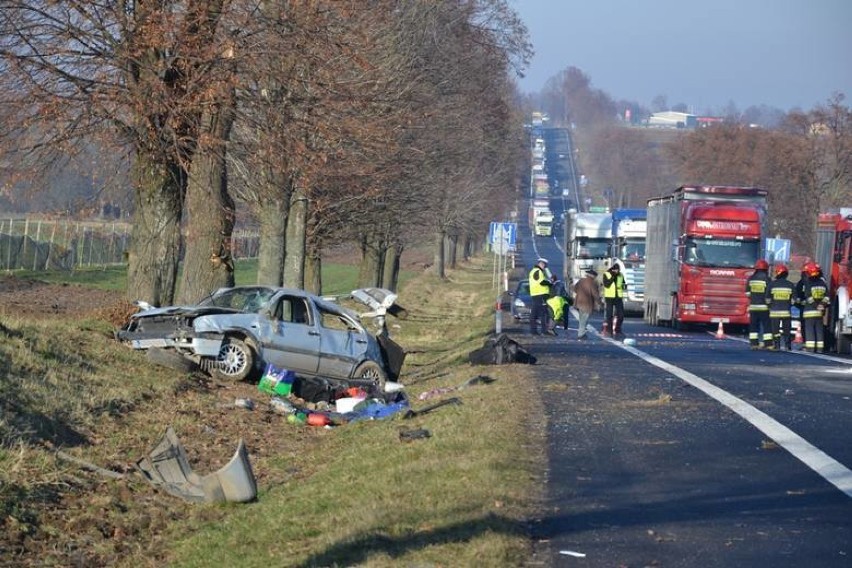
[[235, 332]]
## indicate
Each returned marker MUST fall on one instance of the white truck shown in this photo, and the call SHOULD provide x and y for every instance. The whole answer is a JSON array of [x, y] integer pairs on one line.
[[588, 238], [544, 224], [629, 231]]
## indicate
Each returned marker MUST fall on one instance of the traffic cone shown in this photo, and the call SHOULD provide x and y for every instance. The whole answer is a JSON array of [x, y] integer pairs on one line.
[[798, 337], [720, 331]]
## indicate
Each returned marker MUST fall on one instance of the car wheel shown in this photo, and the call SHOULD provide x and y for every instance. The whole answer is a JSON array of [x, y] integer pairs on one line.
[[235, 361], [371, 371], [171, 359]]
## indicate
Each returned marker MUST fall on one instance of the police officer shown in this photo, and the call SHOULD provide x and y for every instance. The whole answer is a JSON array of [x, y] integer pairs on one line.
[[539, 278], [614, 288], [759, 332], [558, 304], [814, 301], [780, 296]]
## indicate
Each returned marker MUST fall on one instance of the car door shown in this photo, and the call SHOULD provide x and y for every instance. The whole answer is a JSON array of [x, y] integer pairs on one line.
[[293, 341], [344, 344]]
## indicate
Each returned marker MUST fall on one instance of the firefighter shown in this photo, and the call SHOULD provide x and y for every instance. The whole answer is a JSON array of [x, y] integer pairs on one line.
[[814, 301], [780, 295], [800, 291], [759, 332]]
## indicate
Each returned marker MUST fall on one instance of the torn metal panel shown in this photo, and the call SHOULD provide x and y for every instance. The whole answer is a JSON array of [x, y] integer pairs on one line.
[[166, 467]]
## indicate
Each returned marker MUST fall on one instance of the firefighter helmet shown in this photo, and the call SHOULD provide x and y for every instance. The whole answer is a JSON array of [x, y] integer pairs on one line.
[[761, 265], [808, 267], [816, 270], [781, 269]]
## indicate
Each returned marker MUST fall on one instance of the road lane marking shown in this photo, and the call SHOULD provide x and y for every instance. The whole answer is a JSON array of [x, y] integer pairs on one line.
[[822, 356], [824, 465]]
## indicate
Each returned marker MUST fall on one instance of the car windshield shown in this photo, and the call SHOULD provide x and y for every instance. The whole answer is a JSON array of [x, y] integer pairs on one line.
[[523, 288], [243, 299], [721, 252]]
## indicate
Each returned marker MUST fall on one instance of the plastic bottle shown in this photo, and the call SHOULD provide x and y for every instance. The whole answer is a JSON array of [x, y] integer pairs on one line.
[[282, 406]]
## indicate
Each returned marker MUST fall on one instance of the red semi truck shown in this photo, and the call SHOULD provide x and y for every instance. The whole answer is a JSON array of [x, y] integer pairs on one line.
[[834, 255], [702, 244]]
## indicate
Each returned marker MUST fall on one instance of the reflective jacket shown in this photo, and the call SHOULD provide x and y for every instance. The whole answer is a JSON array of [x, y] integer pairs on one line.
[[539, 282], [557, 306], [614, 285], [755, 289], [780, 295], [814, 297]]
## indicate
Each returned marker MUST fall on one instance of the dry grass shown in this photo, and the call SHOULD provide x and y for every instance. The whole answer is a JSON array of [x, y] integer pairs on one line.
[[354, 495]]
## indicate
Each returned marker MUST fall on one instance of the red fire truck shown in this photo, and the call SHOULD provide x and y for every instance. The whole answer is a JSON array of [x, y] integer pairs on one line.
[[834, 255], [702, 244]]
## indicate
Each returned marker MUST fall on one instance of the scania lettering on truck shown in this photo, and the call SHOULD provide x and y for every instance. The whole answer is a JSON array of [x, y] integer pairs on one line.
[[629, 231], [834, 255], [588, 238], [702, 244]]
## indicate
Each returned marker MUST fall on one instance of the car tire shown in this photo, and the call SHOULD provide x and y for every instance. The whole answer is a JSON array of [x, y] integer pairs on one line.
[[171, 359], [371, 371], [235, 362]]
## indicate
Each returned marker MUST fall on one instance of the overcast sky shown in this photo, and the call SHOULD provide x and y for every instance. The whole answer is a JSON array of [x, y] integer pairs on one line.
[[705, 53]]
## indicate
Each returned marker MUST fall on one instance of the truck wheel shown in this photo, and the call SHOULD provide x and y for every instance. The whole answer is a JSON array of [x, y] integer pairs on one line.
[[235, 361], [841, 342]]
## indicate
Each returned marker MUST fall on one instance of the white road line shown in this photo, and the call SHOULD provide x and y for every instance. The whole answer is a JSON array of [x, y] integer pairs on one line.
[[824, 465], [822, 356]]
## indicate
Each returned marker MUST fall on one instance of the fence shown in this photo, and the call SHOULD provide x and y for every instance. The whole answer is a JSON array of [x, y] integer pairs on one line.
[[44, 244]]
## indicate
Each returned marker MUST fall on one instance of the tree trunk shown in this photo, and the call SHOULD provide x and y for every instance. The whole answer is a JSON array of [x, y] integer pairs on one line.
[[439, 255], [452, 249], [313, 274], [390, 278], [272, 217], [208, 264], [294, 260], [155, 241], [371, 268]]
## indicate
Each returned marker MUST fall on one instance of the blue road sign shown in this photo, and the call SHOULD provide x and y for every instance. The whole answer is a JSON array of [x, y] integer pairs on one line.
[[778, 250], [505, 233]]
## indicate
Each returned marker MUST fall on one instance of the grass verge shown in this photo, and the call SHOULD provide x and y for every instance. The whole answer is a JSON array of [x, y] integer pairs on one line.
[[353, 495]]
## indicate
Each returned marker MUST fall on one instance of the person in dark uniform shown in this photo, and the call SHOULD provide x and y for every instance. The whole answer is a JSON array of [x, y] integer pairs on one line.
[[759, 332], [780, 297]]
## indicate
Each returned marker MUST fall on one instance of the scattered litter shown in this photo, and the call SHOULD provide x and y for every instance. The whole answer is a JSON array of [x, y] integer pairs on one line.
[[391, 386], [412, 413], [411, 435], [629, 341], [246, 403], [167, 467], [500, 350], [434, 393], [282, 405], [276, 381], [768, 445], [348, 404], [788, 392], [572, 553], [89, 466], [477, 380]]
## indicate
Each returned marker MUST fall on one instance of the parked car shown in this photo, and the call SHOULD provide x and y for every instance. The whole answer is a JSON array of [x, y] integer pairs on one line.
[[235, 332], [521, 300]]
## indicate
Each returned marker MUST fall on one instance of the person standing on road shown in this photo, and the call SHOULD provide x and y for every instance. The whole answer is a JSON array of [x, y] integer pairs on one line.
[[587, 298], [759, 332], [780, 295], [614, 288], [814, 301], [539, 278]]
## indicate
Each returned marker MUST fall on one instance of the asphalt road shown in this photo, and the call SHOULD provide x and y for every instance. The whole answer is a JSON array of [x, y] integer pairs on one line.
[[646, 469], [688, 450]]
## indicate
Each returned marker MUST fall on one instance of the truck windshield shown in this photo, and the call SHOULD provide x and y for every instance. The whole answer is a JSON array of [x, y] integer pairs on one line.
[[592, 248], [721, 252], [632, 250]]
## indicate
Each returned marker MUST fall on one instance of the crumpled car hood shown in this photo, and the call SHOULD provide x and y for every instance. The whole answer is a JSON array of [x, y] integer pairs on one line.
[[194, 311]]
